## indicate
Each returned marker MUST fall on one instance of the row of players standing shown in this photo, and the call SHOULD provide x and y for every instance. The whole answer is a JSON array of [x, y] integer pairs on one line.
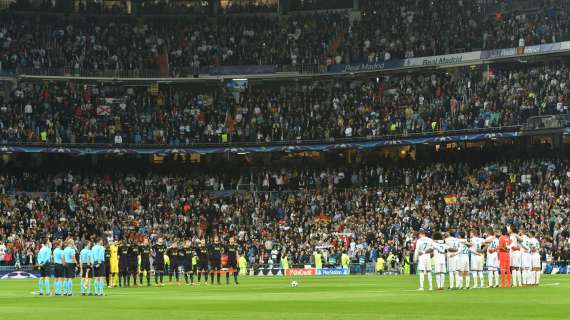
[[515, 254], [129, 259]]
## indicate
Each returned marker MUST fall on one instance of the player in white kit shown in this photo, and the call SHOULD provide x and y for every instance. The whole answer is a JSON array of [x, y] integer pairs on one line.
[[515, 256], [439, 250], [463, 262], [526, 263], [422, 255], [453, 246], [492, 243], [535, 259], [476, 248]]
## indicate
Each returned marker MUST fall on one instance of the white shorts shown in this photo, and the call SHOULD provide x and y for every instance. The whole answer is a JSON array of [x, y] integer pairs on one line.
[[492, 261], [526, 262], [452, 263], [440, 268], [476, 262], [535, 260], [516, 259], [424, 262], [463, 263]]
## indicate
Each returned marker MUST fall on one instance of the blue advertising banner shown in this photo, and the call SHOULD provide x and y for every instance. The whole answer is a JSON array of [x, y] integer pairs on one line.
[[498, 53], [556, 269], [242, 70], [333, 272], [541, 48], [360, 67], [134, 150], [446, 59]]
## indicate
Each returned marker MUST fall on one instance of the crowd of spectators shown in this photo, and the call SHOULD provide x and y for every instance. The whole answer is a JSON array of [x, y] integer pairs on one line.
[[100, 44], [386, 30], [411, 28], [399, 104], [367, 210], [145, 7]]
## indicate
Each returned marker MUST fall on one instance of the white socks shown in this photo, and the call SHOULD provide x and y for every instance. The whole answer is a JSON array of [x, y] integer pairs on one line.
[[440, 280], [467, 281], [496, 273], [533, 277], [530, 277], [474, 273], [452, 279], [422, 277]]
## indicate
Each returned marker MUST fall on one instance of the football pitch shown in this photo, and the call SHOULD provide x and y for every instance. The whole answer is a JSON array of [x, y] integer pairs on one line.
[[352, 297]]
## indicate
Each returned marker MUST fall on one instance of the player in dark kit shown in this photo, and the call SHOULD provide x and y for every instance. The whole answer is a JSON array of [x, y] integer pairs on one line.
[[172, 254], [123, 263], [133, 265], [158, 252], [202, 253], [145, 250], [232, 251], [186, 262], [107, 264], [215, 260]]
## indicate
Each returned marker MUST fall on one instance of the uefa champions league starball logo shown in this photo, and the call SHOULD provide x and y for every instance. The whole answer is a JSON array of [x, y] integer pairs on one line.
[[18, 275]]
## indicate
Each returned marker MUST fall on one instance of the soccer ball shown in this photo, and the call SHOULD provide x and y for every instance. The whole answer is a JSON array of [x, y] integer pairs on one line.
[[294, 284]]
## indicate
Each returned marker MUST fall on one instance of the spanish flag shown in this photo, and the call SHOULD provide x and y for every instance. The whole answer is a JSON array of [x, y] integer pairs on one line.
[[322, 218], [450, 199]]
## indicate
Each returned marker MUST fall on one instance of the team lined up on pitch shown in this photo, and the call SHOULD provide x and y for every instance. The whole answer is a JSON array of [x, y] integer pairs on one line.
[[514, 254], [128, 260]]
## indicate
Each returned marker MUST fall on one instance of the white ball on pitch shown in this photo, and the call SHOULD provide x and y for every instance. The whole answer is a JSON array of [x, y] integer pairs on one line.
[[294, 284]]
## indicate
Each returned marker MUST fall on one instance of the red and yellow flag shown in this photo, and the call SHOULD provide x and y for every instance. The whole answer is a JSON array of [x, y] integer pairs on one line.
[[450, 199]]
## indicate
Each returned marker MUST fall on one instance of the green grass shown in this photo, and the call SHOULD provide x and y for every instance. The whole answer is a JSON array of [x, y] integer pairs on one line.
[[256, 298]]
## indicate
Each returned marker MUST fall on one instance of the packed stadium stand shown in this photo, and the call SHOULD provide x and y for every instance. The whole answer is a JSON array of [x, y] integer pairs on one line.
[[289, 128]]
